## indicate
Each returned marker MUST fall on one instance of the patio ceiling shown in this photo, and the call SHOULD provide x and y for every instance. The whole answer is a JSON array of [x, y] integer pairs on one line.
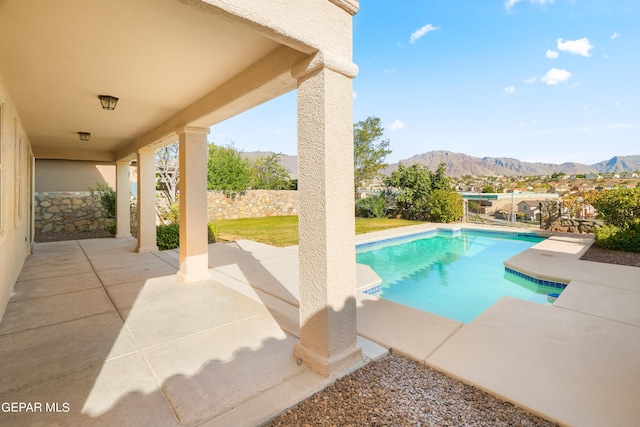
[[160, 57]]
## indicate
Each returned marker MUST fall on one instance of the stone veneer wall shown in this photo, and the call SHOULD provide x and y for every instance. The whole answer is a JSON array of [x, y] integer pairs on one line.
[[576, 225], [68, 212], [253, 204]]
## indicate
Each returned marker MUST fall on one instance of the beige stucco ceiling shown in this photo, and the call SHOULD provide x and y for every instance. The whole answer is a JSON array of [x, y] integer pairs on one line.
[[157, 56]]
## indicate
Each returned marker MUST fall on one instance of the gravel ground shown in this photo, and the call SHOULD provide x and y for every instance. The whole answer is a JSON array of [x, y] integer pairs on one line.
[[396, 391], [612, 257]]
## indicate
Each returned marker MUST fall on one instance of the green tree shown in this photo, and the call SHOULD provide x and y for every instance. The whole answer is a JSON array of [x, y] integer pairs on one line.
[[268, 174], [488, 189], [439, 179], [369, 150], [411, 187], [423, 195], [228, 170]]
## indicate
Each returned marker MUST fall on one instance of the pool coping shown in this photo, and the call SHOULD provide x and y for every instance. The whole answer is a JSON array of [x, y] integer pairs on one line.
[[483, 353]]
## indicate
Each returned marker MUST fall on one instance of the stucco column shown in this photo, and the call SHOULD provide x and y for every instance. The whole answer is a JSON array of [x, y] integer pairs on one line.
[[146, 200], [123, 210], [326, 221], [194, 247]]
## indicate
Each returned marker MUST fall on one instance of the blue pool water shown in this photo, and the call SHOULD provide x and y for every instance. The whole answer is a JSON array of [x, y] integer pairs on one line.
[[455, 276]]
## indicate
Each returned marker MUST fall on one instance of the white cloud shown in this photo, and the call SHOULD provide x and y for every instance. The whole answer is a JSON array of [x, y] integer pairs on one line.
[[615, 36], [355, 95], [617, 126], [510, 89], [530, 80], [417, 34], [508, 4], [527, 124], [555, 76], [397, 125], [576, 47], [552, 54]]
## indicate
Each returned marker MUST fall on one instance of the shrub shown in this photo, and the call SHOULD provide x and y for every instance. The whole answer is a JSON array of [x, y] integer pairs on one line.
[[170, 214], [212, 232], [444, 206], [107, 198], [620, 207], [619, 239], [168, 236], [111, 228], [372, 207]]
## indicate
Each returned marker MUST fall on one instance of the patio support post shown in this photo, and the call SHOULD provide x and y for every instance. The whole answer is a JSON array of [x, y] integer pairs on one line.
[[123, 210], [326, 218], [194, 245], [146, 200]]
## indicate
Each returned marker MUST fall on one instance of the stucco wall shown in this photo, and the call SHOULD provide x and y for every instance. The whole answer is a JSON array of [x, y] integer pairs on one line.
[[72, 175], [15, 181]]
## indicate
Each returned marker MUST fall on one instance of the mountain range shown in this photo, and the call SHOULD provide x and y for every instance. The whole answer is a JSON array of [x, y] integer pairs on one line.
[[459, 164]]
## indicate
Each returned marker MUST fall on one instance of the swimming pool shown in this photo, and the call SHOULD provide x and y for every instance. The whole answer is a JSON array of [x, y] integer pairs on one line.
[[455, 274]]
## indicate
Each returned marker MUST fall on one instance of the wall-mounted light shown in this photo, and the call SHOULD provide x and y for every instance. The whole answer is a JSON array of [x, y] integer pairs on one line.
[[84, 136], [108, 102]]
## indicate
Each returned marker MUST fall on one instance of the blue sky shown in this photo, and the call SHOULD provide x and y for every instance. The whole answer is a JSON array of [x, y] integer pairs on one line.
[[537, 80]]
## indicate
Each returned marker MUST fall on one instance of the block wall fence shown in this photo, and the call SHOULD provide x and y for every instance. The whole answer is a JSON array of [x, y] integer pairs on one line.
[[71, 212]]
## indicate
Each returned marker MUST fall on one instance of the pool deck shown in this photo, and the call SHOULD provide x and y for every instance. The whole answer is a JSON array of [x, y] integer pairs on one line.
[[576, 362], [114, 334]]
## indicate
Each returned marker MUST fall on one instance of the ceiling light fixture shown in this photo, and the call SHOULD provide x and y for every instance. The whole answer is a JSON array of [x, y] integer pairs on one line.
[[108, 102], [84, 136]]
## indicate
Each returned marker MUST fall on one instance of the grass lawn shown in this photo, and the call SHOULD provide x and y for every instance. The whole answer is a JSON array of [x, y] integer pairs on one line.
[[283, 230]]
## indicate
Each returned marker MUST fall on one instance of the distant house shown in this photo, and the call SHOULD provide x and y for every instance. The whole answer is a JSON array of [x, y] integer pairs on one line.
[[530, 209]]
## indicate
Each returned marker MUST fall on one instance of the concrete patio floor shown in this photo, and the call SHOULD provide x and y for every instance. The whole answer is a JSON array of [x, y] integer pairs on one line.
[[111, 333], [96, 334]]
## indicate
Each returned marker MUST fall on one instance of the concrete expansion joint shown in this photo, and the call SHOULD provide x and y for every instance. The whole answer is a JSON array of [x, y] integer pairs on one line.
[[322, 60]]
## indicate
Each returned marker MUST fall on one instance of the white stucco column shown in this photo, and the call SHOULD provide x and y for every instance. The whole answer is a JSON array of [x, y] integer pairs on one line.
[[123, 211], [146, 200], [326, 220], [194, 246]]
